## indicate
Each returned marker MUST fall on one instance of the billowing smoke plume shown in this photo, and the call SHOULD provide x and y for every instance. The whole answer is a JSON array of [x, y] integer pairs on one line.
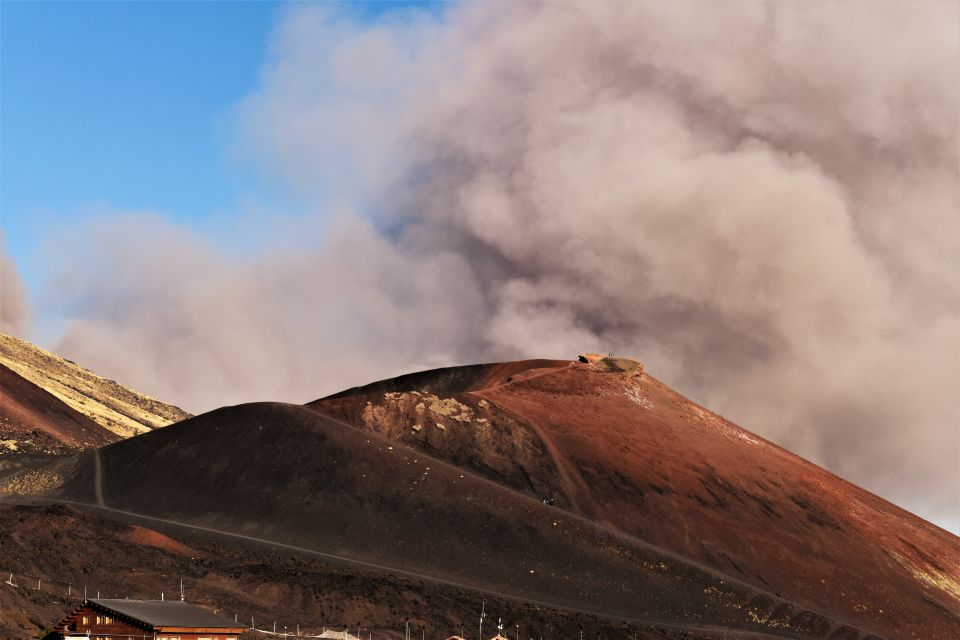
[[757, 199], [14, 306]]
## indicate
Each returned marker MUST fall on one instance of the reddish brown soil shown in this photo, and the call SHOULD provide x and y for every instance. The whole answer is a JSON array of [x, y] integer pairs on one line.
[[39, 422], [587, 486], [64, 546], [155, 539], [286, 474], [624, 450]]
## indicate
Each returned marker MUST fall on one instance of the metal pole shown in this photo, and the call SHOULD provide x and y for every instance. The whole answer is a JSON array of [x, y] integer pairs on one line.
[[483, 608]]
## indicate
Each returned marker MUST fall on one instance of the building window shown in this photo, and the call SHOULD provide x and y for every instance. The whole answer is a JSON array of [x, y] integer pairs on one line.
[[86, 620]]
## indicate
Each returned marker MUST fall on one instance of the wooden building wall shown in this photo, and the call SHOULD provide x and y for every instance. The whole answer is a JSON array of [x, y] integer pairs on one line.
[[105, 626], [85, 619]]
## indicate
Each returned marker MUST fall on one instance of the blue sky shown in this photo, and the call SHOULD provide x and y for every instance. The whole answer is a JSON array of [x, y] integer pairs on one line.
[[127, 105]]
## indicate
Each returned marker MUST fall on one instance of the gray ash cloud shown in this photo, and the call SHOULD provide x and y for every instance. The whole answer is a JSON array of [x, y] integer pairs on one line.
[[757, 199]]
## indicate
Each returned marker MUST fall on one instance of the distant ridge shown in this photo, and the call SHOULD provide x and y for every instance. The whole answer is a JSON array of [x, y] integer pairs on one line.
[[114, 407], [33, 421]]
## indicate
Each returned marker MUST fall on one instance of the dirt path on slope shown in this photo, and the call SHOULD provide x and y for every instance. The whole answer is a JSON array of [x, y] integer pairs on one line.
[[718, 632], [98, 478]]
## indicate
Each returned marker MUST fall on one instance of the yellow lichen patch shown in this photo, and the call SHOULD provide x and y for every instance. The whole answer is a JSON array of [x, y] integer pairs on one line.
[[611, 364], [659, 567], [107, 403], [32, 483], [450, 408], [939, 580], [931, 577], [766, 619], [10, 445], [726, 598], [420, 408]]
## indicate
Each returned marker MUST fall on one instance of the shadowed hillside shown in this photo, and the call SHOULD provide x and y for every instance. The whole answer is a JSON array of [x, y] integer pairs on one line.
[[72, 550], [284, 473]]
